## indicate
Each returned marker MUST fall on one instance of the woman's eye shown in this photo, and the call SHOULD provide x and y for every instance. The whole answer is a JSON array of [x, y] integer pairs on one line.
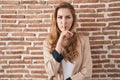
[[68, 17], [60, 17]]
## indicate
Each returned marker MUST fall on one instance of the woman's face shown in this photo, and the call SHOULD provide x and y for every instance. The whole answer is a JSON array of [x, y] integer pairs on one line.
[[64, 19]]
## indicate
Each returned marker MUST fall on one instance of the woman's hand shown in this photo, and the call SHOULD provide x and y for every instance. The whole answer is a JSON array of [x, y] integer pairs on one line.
[[62, 41]]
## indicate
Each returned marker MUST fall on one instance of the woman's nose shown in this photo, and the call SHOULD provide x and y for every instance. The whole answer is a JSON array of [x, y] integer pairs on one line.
[[63, 21]]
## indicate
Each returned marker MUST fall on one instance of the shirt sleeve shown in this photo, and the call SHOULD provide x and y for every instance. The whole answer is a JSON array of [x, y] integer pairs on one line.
[[51, 64], [86, 68]]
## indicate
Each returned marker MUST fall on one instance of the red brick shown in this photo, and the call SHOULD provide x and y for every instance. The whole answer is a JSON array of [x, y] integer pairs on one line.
[[105, 33], [35, 66], [95, 76], [13, 7], [18, 71], [108, 10], [12, 16], [8, 29], [39, 25], [95, 57], [9, 2], [10, 57], [8, 21], [37, 53], [116, 51], [85, 1], [100, 42], [38, 43], [103, 0], [97, 47], [97, 66], [35, 39], [20, 62], [12, 48], [113, 70], [43, 35], [14, 26], [11, 39], [91, 15], [1, 71], [19, 43], [113, 1], [3, 34], [53, 2], [85, 11], [114, 4], [114, 37], [103, 75], [108, 19], [113, 75], [113, 9], [29, 11], [8, 11], [101, 61], [99, 52], [11, 76], [99, 71], [117, 61], [93, 24], [116, 42], [38, 62], [17, 52], [37, 16], [113, 47], [39, 7], [13, 66], [109, 65], [30, 21], [38, 71], [88, 29], [85, 20], [113, 56], [114, 14], [48, 11], [35, 30], [111, 28], [33, 58], [93, 6], [97, 38], [3, 62], [35, 76], [23, 34], [29, 2], [114, 23]]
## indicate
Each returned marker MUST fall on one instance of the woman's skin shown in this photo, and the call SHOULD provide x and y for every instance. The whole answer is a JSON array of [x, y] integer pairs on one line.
[[64, 22]]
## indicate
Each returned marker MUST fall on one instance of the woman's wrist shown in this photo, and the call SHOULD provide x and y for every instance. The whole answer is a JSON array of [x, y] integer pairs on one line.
[[58, 49]]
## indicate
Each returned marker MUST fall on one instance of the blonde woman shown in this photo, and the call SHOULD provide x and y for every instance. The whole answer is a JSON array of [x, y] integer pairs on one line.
[[67, 54]]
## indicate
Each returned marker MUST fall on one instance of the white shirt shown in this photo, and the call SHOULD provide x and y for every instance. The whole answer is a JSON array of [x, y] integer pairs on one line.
[[67, 68]]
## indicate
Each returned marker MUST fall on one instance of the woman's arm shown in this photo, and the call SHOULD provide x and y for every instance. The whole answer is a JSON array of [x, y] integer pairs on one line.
[[86, 69], [51, 64]]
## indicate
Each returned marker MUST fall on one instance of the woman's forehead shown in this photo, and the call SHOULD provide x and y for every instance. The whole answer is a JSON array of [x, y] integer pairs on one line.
[[64, 11]]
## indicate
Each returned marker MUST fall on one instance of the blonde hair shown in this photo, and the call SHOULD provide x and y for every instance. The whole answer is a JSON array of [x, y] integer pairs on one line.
[[70, 52]]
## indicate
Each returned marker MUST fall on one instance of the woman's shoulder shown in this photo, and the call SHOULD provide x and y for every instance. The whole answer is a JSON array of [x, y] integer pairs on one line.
[[81, 36]]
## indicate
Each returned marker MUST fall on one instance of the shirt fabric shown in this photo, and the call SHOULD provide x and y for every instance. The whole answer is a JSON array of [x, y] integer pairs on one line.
[[67, 68]]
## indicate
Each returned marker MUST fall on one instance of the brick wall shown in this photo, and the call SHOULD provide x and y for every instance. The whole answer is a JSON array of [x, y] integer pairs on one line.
[[24, 24]]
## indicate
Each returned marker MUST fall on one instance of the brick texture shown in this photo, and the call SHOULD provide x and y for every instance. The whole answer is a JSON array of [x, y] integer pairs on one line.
[[24, 24]]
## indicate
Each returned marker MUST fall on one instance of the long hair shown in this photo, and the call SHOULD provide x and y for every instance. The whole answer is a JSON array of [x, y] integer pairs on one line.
[[70, 51]]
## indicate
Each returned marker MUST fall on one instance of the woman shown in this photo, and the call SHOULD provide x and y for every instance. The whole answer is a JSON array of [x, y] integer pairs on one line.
[[67, 54]]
